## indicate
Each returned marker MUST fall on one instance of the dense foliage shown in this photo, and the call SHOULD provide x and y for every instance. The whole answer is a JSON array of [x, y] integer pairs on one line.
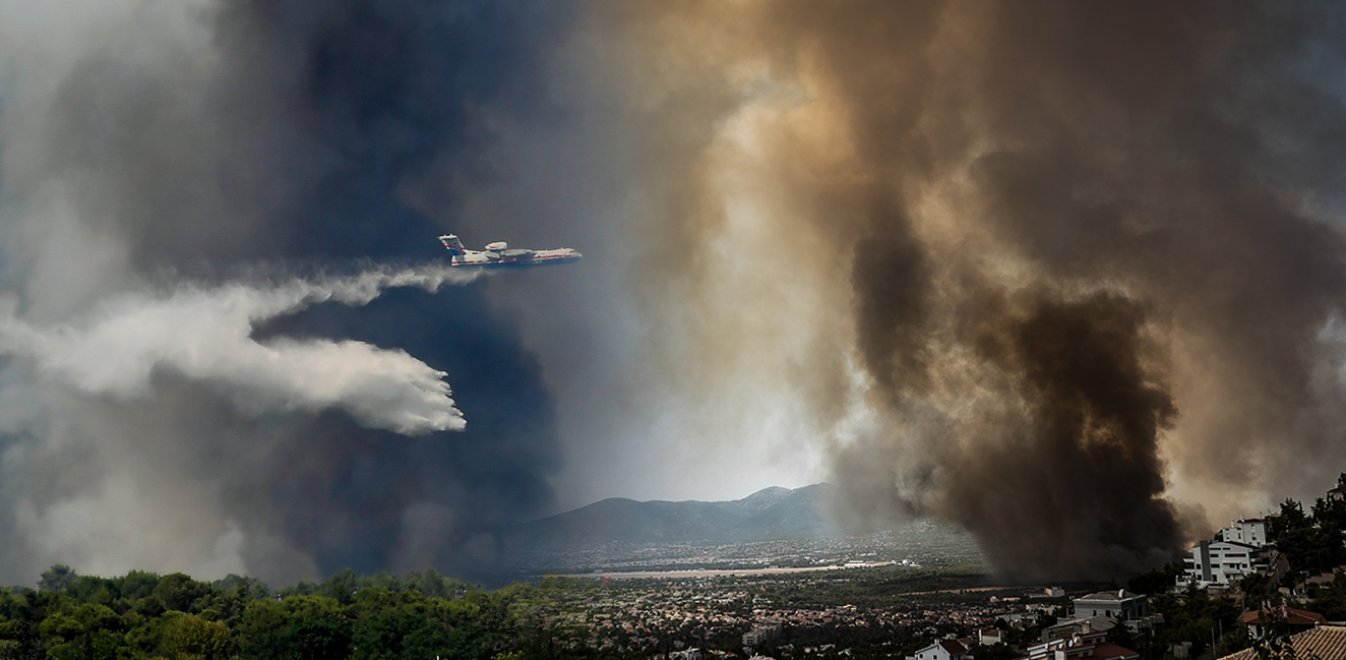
[[144, 615], [1311, 542]]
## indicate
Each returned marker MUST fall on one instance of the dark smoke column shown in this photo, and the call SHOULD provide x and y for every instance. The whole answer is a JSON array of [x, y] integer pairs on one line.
[[1095, 271]]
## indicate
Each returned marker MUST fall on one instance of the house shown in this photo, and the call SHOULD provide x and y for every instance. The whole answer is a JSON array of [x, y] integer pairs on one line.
[[1320, 642], [990, 636], [1047, 650], [1120, 605], [1077, 649], [1223, 563], [1295, 619], [942, 649], [1086, 628], [1049, 592]]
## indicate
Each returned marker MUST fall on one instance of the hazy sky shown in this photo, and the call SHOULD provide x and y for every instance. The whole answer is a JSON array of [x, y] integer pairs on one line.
[[1066, 275]]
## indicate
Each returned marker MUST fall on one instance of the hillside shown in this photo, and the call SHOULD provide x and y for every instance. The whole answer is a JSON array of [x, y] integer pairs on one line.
[[771, 513]]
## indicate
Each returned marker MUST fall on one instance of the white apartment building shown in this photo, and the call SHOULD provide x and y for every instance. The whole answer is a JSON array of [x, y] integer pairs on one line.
[[1250, 531], [1223, 563]]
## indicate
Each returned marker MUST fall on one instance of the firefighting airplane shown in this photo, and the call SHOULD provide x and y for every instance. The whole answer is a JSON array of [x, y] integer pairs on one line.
[[500, 255]]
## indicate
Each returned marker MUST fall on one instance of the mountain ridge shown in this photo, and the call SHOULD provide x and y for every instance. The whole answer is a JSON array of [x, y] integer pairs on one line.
[[771, 513]]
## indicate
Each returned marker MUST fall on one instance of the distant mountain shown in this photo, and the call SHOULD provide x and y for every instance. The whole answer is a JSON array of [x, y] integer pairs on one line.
[[771, 513]]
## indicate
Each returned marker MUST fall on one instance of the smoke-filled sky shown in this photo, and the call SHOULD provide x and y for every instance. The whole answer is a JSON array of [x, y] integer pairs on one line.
[[1067, 275]]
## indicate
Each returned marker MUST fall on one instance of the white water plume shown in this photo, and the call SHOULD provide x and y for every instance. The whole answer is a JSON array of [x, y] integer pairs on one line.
[[205, 333]]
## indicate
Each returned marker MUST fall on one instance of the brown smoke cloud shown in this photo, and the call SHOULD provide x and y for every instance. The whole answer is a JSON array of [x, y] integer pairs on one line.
[[1064, 273]]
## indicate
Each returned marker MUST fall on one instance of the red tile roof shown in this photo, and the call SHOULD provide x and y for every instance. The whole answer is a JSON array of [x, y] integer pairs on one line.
[[1113, 652], [1294, 617], [1326, 642]]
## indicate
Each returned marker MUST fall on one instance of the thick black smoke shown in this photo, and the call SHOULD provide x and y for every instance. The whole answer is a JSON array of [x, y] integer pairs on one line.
[[1084, 465], [1095, 279]]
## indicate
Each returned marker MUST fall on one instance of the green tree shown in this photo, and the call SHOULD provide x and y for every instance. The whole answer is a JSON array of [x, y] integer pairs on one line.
[[1257, 588], [1156, 581], [1330, 516], [86, 632], [144, 635], [252, 588], [1233, 642], [1294, 535], [187, 636], [341, 586], [137, 584], [58, 578], [179, 592], [264, 630], [297, 628], [1192, 616], [1330, 599], [19, 621]]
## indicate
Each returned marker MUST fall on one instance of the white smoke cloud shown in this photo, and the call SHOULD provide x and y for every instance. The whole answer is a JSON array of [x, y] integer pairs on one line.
[[205, 333], [170, 427]]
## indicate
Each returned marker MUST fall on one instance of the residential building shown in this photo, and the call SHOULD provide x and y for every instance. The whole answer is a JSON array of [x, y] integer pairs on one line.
[[1222, 564], [1250, 531], [989, 636], [1120, 605], [1080, 649], [1295, 619], [942, 649], [1086, 628], [1046, 650]]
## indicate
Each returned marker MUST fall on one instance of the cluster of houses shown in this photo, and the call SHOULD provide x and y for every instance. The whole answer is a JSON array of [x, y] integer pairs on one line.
[[1237, 551], [1090, 633], [1082, 637]]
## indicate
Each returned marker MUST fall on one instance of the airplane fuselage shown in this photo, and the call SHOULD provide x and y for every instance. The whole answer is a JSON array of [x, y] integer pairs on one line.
[[500, 255], [493, 259]]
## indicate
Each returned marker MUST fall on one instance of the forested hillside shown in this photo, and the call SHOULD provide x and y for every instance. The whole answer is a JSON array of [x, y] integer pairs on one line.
[[144, 615]]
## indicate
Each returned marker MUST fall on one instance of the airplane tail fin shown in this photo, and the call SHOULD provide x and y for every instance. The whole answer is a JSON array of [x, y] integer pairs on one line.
[[452, 244]]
